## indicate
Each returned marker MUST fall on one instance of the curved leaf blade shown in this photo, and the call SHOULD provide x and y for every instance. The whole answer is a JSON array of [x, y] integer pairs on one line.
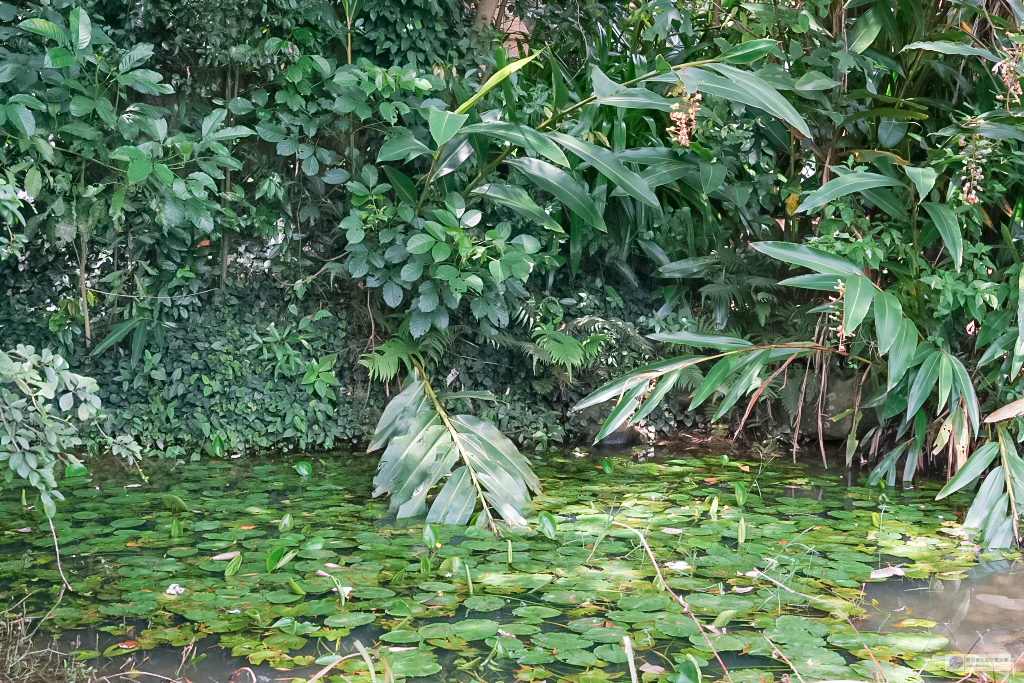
[[949, 228], [521, 135], [842, 186], [520, 202], [562, 185], [808, 257], [607, 163]]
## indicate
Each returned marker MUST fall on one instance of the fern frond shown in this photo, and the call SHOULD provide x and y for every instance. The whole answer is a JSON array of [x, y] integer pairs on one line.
[[383, 362]]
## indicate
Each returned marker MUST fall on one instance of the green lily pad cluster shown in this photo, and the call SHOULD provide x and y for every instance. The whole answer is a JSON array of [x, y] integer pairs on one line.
[[283, 565]]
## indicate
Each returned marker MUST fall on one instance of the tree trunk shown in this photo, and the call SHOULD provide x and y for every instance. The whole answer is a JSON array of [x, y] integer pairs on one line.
[[485, 11]]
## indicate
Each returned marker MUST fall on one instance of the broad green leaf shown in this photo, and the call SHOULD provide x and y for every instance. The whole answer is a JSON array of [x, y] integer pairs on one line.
[[972, 469], [864, 31], [622, 410], [404, 147], [562, 185], [520, 135], [404, 186], [949, 48], [33, 181], [139, 170], [139, 54], [856, 302], [716, 375], [842, 186], [945, 381], [815, 81], [625, 383], [81, 28], [697, 266], [748, 52], [520, 202], [496, 79], [22, 119], [58, 58], [986, 499], [711, 176], [608, 164], [923, 178], [888, 320], [119, 332], [397, 413], [47, 29], [927, 378], [714, 341], [444, 124], [808, 257], [949, 228], [901, 353]]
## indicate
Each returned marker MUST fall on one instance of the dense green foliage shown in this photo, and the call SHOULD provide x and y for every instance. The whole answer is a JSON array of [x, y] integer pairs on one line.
[[399, 199]]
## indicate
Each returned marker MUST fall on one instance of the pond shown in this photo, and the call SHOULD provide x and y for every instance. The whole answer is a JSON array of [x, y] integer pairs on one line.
[[283, 568]]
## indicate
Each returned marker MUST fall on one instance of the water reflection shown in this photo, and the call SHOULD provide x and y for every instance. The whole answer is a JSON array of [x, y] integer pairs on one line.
[[980, 614]]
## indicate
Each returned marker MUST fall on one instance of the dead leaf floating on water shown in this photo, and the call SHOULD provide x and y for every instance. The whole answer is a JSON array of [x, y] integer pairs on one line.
[[1001, 601], [887, 572]]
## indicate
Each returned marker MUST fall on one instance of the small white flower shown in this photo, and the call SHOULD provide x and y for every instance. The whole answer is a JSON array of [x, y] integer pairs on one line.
[[174, 589], [24, 196]]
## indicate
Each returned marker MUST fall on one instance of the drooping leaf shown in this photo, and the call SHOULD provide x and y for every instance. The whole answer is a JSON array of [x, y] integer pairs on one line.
[[808, 257], [950, 48], [949, 228], [405, 147], [901, 353], [842, 186], [665, 385], [864, 31], [608, 164], [856, 302], [455, 502], [562, 185], [47, 29], [748, 52], [520, 202], [888, 320], [765, 96], [713, 380], [714, 341], [622, 410], [926, 380], [520, 135]]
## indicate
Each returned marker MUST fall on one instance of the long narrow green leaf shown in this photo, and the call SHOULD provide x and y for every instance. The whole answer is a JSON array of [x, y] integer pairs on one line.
[[842, 186], [985, 500], [455, 502], [496, 79], [824, 283], [665, 385], [391, 420], [808, 257], [608, 164], [520, 202], [856, 302], [520, 135], [714, 341], [626, 382], [949, 48], [965, 387], [743, 384], [621, 412], [713, 380], [901, 353], [768, 98], [927, 378], [888, 320], [119, 332], [949, 228], [562, 185]]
